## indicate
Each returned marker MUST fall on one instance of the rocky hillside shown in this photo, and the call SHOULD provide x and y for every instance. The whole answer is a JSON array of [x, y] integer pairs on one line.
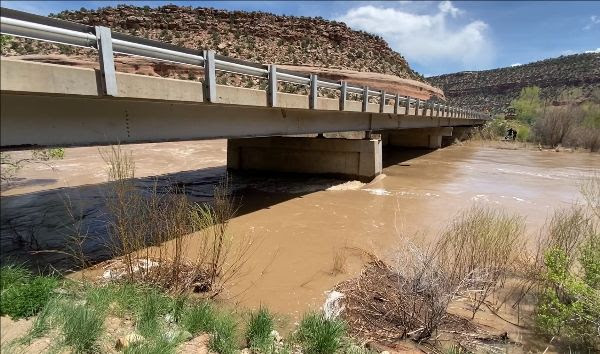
[[573, 77], [254, 36]]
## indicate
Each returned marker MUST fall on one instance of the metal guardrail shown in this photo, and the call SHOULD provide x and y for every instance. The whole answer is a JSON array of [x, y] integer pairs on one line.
[[23, 24]]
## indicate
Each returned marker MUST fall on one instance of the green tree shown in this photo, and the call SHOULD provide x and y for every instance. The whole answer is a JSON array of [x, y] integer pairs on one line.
[[528, 105]]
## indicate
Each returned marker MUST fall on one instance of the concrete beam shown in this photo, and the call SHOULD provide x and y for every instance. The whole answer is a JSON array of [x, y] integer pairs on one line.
[[54, 105], [348, 158], [430, 138]]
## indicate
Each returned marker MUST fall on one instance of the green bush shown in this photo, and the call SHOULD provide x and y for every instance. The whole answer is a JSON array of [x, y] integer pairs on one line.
[[528, 104], [23, 295], [258, 334], [568, 308], [318, 335]]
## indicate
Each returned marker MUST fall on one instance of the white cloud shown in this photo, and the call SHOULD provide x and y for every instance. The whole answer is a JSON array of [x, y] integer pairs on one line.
[[597, 50], [447, 7], [515, 64], [594, 20], [427, 39]]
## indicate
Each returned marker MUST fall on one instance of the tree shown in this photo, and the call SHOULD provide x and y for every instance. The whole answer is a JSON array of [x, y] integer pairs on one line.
[[528, 104]]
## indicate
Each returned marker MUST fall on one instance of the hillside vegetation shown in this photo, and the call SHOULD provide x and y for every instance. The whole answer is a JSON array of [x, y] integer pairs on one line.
[[572, 78]]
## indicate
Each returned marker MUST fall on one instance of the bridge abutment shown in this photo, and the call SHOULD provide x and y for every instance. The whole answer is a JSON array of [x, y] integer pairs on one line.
[[430, 138], [348, 158]]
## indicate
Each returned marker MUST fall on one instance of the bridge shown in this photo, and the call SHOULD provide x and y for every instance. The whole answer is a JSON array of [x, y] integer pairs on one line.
[[54, 105]]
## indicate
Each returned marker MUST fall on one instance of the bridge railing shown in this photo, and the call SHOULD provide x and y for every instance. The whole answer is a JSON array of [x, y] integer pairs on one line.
[[23, 24]]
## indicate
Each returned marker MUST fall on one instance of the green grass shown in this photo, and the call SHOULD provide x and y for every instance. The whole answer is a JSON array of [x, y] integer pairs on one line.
[[199, 318], [11, 275], [22, 294], [224, 334], [82, 327], [258, 333], [158, 345], [202, 317], [318, 335]]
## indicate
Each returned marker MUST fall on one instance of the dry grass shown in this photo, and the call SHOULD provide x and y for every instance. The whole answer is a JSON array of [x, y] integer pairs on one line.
[[340, 260], [480, 249], [165, 240]]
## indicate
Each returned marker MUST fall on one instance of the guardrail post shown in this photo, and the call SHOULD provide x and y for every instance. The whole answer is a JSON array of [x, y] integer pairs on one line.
[[312, 97], [382, 101], [417, 104], [210, 77], [365, 102], [425, 105], [272, 86], [437, 110], [107, 63], [343, 92], [396, 103], [407, 105]]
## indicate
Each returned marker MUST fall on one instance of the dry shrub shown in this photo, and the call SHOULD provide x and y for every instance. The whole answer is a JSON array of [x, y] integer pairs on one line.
[[566, 231], [164, 239], [568, 126], [340, 259], [383, 306], [479, 249]]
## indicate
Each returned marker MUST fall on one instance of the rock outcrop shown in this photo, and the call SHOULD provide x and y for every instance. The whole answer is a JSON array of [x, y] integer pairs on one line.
[[566, 78], [300, 42]]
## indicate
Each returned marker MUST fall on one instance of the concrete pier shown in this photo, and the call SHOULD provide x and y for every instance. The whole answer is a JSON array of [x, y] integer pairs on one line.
[[348, 158], [430, 138]]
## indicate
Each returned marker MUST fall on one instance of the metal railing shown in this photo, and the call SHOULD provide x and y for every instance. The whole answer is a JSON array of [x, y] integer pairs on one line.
[[23, 24]]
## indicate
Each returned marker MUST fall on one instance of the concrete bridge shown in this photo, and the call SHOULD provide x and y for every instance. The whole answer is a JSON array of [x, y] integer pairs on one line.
[[54, 105]]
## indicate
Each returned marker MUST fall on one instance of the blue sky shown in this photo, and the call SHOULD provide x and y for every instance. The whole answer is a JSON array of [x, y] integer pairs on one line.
[[435, 37]]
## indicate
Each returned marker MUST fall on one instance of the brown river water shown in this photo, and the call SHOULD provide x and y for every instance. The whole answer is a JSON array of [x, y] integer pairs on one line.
[[296, 223]]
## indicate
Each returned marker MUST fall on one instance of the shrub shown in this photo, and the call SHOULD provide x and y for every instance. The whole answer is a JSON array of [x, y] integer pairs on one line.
[[260, 326], [568, 308], [480, 247], [318, 335], [528, 104], [25, 298]]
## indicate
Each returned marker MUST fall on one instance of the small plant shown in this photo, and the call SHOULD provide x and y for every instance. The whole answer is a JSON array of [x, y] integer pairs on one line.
[[318, 335], [258, 334], [24, 297], [82, 328], [224, 334], [148, 323], [199, 318]]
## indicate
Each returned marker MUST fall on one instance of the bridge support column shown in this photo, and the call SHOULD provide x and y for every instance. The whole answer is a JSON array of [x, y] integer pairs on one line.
[[430, 138], [348, 158]]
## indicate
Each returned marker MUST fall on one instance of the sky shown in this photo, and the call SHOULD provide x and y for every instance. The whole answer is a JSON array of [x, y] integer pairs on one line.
[[436, 37]]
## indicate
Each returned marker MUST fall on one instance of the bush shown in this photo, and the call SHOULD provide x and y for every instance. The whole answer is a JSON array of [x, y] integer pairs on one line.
[[528, 104], [318, 335], [568, 308], [23, 295], [480, 248]]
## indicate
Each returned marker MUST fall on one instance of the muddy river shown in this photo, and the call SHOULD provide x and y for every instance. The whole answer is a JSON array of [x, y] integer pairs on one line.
[[297, 224]]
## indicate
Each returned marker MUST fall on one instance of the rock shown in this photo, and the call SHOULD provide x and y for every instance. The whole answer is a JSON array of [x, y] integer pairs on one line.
[[128, 340]]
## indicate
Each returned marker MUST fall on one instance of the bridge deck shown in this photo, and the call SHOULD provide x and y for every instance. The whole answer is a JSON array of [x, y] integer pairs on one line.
[[53, 105]]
